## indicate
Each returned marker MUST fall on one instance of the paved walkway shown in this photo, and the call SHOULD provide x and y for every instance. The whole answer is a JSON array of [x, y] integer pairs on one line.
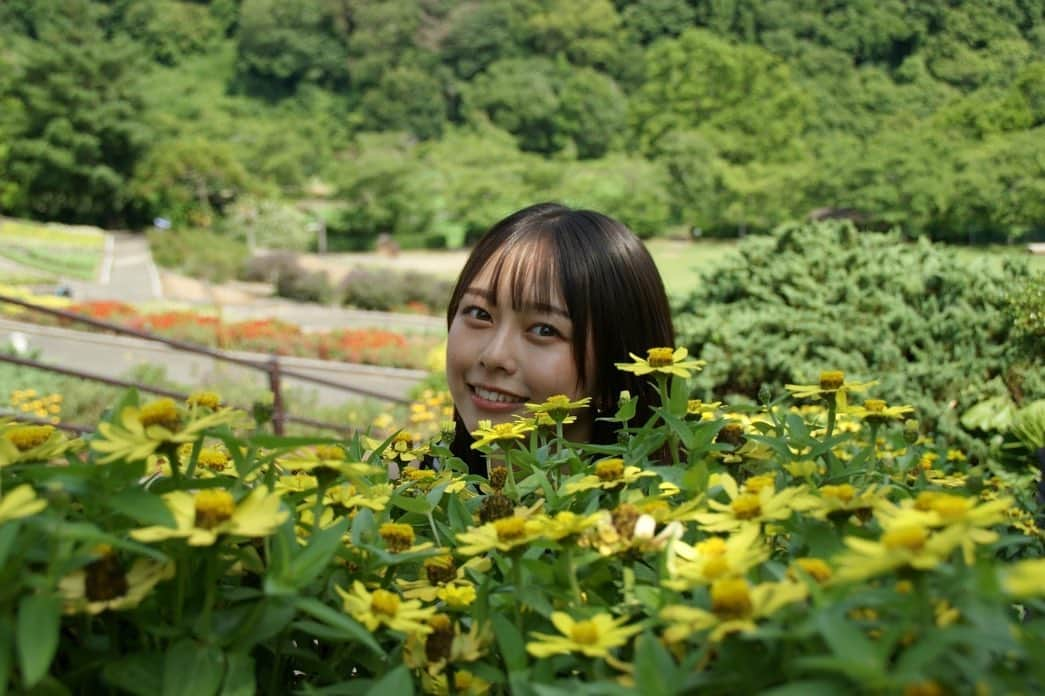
[[128, 272]]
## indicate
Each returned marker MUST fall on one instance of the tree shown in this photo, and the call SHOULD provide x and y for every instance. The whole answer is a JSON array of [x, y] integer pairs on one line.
[[80, 130], [741, 97], [406, 99], [281, 43]]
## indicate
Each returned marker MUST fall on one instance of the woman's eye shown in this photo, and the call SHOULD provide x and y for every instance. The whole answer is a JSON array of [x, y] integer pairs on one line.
[[546, 330], [476, 313]]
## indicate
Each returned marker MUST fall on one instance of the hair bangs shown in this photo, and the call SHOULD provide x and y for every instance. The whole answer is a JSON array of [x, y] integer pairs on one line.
[[527, 266]]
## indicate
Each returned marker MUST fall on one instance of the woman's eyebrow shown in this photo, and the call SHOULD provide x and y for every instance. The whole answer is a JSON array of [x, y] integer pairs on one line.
[[542, 307]]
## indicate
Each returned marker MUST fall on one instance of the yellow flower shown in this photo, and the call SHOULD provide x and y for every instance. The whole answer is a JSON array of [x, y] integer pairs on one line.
[[325, 460], [457, 597], [488, 433], [201, 518], [347, 496], [876, 411], [593, 637], [907, 544], [735, 606], [103, 585], [20, 502], [566, 524], [207, 399], [816, 568], [384, 608], [503, 534], [749, 508], [399, 537], [138, 432], [441, 572], [663, 361], [714, 558], [838, 502], [27, 443], [940, 509], [832, 385], [1024, 579], [558, 406], [696, 407], [609, 474]]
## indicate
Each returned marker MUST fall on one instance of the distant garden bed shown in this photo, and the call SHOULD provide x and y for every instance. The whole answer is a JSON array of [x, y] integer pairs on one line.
[[367, 346], [63, 251]]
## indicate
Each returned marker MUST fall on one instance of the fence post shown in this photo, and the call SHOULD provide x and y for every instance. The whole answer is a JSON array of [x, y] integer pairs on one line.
[[277, 395]]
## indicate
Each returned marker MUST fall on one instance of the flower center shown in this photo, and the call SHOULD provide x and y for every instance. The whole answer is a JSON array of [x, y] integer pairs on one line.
[[440, 569], [832, 379], [397, 537], [330, 452], [161, 412], [213, 506], [213, 459], [731, 434], [584, 633], [746, 506], [730, 598], [439, 642], [844, 492], [384, 602], [874, 405], [713, 546], [610, 469], [715, 567], [624, 517], [26, 437], [660, 357], [908, 537], [420, 475], [208, 399], [104, 579], [757, 483], [950, 507], [510, 528], [498, 477], [817, 569]]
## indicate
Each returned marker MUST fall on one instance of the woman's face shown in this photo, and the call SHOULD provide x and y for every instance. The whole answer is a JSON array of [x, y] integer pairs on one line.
[[499, 358]]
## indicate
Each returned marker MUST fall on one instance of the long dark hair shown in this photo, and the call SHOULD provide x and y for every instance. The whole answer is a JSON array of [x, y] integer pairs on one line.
[[612, 289]]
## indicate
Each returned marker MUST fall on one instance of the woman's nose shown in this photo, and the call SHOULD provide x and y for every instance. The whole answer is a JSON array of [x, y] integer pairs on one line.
[[498, 353]]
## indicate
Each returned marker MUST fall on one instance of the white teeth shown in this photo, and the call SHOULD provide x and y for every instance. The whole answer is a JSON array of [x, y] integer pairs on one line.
[[497, 396]]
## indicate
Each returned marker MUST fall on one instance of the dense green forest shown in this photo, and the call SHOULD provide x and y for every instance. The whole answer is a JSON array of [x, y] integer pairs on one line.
[[429, 119]]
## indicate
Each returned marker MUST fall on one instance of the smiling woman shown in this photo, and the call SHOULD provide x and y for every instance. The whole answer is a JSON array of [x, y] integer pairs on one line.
[[548, 301]]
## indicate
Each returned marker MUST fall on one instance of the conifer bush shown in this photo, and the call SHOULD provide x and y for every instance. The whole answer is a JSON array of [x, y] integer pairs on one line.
[[942, 334]]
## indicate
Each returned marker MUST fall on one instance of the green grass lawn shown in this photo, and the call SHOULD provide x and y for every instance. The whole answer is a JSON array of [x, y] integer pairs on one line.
[[62, 251]]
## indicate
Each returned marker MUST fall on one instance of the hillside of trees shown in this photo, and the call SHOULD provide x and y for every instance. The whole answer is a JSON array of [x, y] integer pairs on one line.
[[429, 119]]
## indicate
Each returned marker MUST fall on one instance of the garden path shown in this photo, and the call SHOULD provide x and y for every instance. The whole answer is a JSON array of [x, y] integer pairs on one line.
[[128, 272]]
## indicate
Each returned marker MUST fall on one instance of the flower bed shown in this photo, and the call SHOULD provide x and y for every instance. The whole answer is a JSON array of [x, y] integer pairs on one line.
[[810, 545], [367, 346]]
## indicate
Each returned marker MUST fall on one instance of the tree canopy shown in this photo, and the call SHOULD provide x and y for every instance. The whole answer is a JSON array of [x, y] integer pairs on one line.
[[428, 119]]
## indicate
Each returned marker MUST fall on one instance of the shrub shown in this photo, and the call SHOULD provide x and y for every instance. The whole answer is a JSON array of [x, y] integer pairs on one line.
[[291, 280], [386, 290], [823, 296], [199, 253], [181, 548]]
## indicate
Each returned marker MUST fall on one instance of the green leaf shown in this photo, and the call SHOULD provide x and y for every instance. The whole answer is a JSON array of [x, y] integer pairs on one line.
[[239, 676], [419, 506], [810, 687], [398, 682], [654, 668], [350, 629], [141, 506], [848, 641], [37, 636], [510, 641], [458, 515], [192, 669], [5, 654], [138, 674], [8, 534], [321, 548]]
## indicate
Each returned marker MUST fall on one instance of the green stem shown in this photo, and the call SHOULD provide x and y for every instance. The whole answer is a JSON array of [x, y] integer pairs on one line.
[[517, 587], [431, 524], [571, 570], [211, 579]]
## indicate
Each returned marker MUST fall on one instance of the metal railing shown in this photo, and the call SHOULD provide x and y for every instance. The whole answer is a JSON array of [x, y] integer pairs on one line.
[[271, 367]]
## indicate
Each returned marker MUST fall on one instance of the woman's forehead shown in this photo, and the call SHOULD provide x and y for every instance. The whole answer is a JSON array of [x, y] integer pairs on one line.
[[521, 275]]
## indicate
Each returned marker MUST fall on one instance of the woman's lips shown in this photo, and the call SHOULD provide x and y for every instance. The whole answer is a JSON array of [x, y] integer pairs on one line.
[[492, 406]]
